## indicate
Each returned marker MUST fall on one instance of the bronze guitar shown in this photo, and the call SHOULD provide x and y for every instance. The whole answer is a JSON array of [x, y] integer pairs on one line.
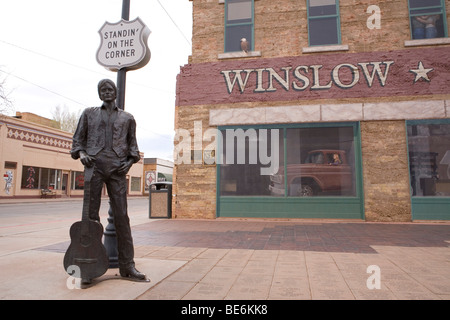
[[86, 249]]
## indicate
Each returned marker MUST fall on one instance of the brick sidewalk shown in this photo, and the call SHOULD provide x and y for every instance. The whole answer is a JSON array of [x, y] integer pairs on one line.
[[248, 260], [297, 260], [356, 237]]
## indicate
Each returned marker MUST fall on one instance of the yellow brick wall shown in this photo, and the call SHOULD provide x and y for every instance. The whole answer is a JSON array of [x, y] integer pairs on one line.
[[281, 27], [385, 171], [194, 185]]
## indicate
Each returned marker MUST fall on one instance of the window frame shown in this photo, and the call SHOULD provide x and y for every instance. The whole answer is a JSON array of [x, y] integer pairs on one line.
[[427, 207], [42, 174], [337, 15], [74, 181], [441, 11], [25, 176], [342, 207], [251, 24]]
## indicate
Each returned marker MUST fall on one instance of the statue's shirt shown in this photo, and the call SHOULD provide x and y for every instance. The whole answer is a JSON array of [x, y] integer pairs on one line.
[[98, 130]]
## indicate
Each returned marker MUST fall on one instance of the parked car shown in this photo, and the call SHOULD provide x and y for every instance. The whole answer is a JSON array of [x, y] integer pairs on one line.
[[324, 171]]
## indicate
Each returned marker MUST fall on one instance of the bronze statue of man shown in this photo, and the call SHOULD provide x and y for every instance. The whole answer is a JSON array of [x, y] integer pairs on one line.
[[105, 139]]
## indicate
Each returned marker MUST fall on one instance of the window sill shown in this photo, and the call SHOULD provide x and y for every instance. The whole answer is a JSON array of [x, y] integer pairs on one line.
[[426, 42], [239, 54], [339, 47]]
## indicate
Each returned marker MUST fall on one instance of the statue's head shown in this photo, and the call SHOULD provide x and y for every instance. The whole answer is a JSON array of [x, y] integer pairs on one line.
[[107, 84]]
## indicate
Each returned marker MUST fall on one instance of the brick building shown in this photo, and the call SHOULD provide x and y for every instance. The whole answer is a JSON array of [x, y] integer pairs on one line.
[[315, 109]]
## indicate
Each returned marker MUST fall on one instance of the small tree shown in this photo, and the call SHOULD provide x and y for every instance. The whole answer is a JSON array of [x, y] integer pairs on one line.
[[67, 120], [5, 103]]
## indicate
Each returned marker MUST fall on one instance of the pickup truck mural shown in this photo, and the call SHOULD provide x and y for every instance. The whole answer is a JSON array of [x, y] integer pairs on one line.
[[323, 172]]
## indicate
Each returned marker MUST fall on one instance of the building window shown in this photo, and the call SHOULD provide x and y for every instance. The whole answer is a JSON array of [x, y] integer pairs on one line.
[[429, 158], [30, 177], [323, 22], [50, 179], [249, 156], [320, 162], [238, 24], [305, 162], [41, 178], [10, 165], [77, 180], [290, 171], [427, 19]]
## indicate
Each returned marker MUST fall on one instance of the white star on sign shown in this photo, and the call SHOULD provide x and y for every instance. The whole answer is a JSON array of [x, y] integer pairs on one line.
[[421, 72]]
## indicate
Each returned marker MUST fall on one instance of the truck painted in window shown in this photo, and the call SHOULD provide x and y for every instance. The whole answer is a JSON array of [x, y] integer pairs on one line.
[[324, 172]]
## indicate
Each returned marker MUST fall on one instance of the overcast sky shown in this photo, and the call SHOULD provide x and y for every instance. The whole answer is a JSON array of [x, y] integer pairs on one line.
[[48, 59]]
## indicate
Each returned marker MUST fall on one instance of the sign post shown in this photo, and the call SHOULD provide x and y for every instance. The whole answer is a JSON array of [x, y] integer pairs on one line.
[[123, 47], [122, 73]]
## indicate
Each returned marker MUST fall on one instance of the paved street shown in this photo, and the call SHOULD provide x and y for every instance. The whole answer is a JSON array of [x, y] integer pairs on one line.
[[228, 259]]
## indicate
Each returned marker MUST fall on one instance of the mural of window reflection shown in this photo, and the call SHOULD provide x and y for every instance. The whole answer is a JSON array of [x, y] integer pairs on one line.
[[429, 159], [320, 162], [249, 157]]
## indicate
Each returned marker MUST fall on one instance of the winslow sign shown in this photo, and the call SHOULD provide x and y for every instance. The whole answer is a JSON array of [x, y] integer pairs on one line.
[[124, 45], [331, 76], [297, 78]]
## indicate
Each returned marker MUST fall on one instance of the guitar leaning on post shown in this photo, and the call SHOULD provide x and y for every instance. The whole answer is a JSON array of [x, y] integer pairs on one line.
[[86, 250]]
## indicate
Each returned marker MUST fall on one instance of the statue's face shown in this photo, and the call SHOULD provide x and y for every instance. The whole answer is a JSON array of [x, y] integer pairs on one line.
[[107, 93]]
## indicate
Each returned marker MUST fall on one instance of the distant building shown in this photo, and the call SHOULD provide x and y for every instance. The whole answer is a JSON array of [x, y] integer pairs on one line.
[[156, 170], [31, 117], [334, 109], [35, 156]]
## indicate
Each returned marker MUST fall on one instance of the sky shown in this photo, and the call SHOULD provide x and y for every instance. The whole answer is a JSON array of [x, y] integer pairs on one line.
[[48, 59]]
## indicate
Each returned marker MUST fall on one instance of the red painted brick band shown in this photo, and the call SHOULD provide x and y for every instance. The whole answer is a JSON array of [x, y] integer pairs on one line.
[[413, 72]]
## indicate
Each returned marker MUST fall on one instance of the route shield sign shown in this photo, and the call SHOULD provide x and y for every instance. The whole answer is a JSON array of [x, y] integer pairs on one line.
[[124, 45]]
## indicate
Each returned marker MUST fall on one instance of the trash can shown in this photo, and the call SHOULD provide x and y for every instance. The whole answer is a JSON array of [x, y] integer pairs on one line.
[[160, 200]]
